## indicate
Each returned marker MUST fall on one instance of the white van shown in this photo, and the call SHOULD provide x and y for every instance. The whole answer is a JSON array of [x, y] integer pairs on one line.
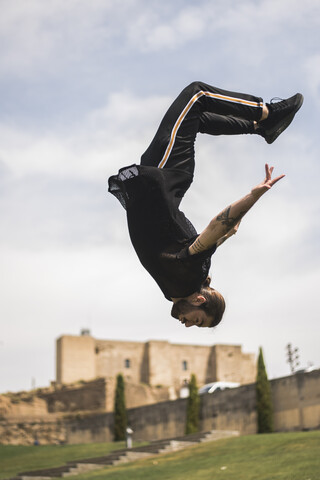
[[215, 386]]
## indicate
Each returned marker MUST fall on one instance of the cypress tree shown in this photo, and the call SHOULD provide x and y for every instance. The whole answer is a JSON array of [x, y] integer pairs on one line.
[[193, 407], [264, 399], [120, 413]]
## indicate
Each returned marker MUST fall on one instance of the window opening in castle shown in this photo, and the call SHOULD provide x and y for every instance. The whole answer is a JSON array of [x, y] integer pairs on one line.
[[184, 365], [127, 363]]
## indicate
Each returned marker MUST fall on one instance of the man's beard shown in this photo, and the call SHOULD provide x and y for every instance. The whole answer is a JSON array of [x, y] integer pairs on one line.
[[181, 308]]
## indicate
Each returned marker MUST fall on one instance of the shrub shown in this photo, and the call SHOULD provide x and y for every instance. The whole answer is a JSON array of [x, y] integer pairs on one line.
[[264, 399], [120, 413], [193, 406]]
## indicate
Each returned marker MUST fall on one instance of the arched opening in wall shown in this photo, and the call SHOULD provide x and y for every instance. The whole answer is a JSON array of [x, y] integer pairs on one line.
[[184, 365]]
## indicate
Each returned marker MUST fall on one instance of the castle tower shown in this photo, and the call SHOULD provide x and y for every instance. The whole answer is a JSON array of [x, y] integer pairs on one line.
[[75, 358]]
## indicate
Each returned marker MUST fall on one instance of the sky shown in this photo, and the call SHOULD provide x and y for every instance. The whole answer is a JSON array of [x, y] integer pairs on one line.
[[83, 87]]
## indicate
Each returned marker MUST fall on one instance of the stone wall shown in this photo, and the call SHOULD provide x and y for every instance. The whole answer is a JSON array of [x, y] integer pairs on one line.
[[232, 365], [80, 396], [95, 395], [44, 430], [190, 359], [296, 401], [113, 357], [23, 404], [225, 410]]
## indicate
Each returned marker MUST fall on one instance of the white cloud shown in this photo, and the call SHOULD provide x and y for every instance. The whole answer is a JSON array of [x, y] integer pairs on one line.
[[312, 73], [152, 32], [48, 37], [153, 29], [38, 34], [109, 137]]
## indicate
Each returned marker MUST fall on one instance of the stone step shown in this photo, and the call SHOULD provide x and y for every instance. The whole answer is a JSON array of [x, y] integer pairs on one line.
[[192, 437], [131, 457], [34, 478], [46, 472], [83, 468], [220, 434]]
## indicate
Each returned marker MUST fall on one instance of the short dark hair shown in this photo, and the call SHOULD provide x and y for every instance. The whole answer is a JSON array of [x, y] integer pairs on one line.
[[214, 306]]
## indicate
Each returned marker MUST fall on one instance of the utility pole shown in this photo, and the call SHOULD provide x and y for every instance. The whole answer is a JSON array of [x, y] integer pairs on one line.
[[293, 360], [292, 357]]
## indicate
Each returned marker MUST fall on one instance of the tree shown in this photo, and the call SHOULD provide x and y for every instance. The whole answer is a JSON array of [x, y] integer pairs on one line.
[[264, 399], [193, 406], [120, 413]]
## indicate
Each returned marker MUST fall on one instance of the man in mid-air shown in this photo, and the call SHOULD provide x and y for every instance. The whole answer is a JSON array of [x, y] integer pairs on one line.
[[165, 241]]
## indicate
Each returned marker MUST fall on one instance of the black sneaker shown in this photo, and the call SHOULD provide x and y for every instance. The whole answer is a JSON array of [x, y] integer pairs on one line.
[[280, 116]]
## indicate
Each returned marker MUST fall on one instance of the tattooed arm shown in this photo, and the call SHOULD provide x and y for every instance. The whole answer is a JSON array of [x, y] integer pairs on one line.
[[231, 232], [226, 223]]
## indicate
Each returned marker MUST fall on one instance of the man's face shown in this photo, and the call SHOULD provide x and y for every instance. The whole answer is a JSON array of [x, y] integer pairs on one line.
[[190, 315]]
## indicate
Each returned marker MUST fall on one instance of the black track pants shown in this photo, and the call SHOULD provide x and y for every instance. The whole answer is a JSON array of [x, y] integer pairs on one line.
[[199, 108]]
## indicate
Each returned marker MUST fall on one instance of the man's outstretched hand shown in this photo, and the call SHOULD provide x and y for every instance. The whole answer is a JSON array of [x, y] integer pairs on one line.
[[267, 183], [226, 223]]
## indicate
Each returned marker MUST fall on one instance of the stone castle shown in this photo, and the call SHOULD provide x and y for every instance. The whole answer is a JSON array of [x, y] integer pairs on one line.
[[154, 371], [154, 363], [78, 407]]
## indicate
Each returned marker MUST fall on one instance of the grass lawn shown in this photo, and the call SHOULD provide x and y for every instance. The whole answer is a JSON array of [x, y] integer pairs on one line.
[[280, 456], [14, 459], [284, 456]]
